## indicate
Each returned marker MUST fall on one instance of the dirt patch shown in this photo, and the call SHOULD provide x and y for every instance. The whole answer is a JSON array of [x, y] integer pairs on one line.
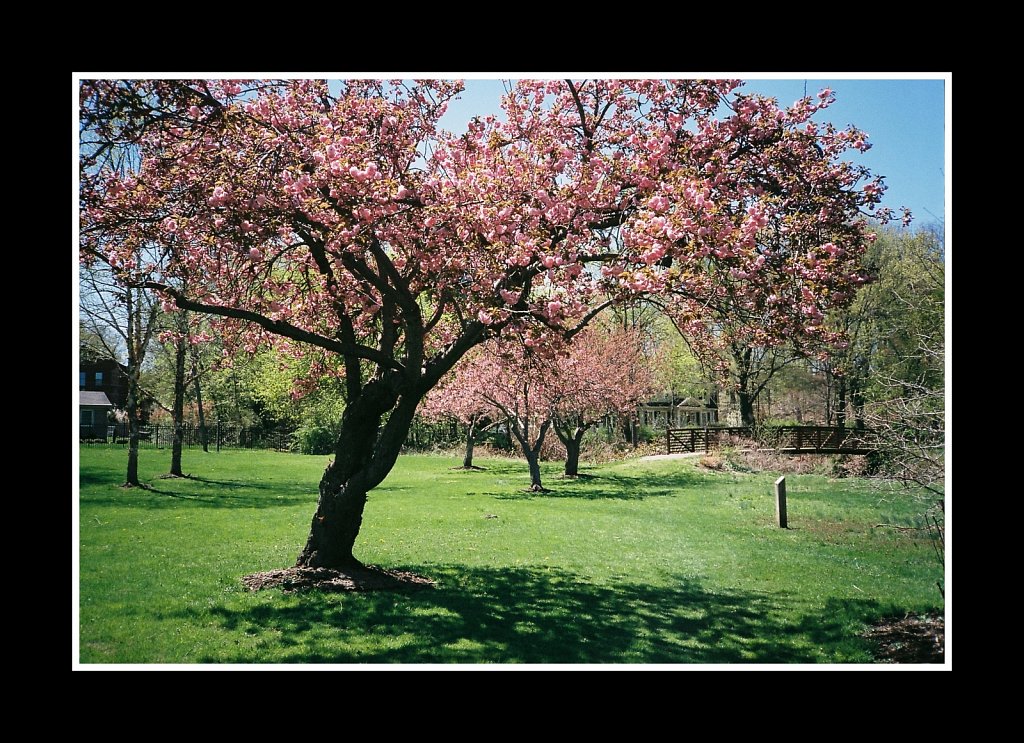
[[915, 638], [368, 578]]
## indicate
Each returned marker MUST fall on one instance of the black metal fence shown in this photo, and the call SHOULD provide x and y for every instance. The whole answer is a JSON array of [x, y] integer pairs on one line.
[[218, 436]]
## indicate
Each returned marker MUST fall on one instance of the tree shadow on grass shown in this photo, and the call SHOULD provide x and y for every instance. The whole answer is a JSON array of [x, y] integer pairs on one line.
[[200, 491], [634, 486], [519, 615]]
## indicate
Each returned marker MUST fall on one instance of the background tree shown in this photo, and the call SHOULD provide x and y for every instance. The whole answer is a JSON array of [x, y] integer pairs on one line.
[[181, 336], [121, 319], [516, 381], [339, 218], [894, 362], [451, 400], [605, 372]]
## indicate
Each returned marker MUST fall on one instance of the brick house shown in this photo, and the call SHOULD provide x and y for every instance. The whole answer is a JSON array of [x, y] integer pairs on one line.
[[106, 376]]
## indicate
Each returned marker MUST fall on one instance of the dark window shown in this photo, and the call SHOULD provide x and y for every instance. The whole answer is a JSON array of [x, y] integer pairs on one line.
[[99, 379], [81, 379]]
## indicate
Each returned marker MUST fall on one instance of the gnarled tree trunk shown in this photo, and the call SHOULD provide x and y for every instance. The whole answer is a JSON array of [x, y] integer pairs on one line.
[[841, 403], [571, 437], [363, 455], [857, 400]]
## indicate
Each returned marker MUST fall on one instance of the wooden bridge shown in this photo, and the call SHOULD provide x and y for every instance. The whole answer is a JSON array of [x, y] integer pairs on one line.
[[788, 439]]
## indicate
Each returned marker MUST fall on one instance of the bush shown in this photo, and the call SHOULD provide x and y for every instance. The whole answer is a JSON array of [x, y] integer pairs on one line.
[[712, 461], [321, 424]]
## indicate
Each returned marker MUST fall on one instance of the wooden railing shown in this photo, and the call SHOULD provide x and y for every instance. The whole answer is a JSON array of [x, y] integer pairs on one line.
[[680, 440], [792, 439]]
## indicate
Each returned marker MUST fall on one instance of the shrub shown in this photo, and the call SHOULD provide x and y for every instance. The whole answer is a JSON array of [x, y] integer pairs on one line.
[[712, 461], [320, 426]]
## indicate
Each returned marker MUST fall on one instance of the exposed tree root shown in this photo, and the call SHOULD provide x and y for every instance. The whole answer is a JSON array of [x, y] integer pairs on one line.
[[366, 578]]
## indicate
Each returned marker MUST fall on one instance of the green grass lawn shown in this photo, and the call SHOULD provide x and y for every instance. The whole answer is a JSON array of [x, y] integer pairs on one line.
[[644, 562]]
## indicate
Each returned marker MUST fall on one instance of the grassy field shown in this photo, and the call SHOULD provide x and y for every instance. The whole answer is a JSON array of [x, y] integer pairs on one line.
[[644, 562]]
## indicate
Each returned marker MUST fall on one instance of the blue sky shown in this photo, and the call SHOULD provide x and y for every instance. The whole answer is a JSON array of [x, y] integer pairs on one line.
[[905, 121]]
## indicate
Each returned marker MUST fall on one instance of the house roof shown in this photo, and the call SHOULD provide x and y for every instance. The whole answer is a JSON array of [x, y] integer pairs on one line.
[[94, 398]]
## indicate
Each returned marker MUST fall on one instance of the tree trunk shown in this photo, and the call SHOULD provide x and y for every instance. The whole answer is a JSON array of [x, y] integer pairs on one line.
[[572, 455], [204, 438], [857, 400], [571, 437], [178, 411], [364, 453], [132, 411], [521, 431], [467, 461], [841, 403], [746, 408], [533, 459]]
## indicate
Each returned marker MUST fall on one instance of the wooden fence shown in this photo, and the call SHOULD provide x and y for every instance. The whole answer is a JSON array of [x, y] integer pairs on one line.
[[701, 439], [790, 439]]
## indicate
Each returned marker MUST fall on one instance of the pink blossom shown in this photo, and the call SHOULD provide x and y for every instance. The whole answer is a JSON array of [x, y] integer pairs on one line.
[[554, 308], [508, 297], [170, 225], [247, 226], [195, 112], [484, 317], [403, 192], [658, 203], [255, 254], [220, 196]]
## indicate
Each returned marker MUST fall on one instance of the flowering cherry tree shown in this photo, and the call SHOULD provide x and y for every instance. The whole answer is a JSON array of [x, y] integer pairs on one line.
[[449, 400], [517, 384], [606, 372], [338, 217]]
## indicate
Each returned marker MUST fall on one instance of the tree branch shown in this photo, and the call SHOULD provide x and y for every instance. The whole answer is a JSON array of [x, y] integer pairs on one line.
[[280, 327]]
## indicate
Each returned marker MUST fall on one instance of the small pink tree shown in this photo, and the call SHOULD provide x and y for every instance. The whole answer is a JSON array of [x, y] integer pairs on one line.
[[449, 400], [605, 373], [512, 382], [537, 387]]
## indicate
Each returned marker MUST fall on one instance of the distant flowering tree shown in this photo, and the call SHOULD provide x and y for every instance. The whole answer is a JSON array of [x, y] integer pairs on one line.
[[515, 383], [606, 372], [449, 400], [339, 217]]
